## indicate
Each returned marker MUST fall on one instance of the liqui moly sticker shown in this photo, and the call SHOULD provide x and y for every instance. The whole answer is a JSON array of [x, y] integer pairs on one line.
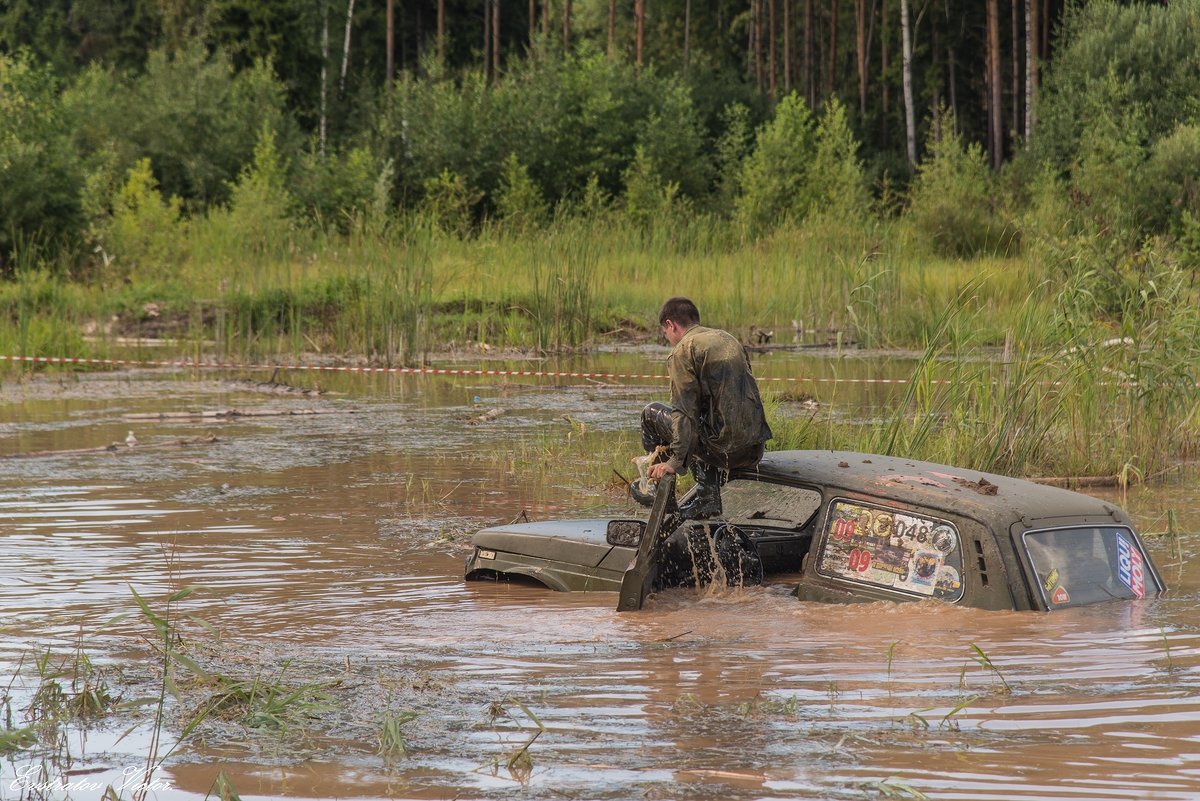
[[1130, 568]]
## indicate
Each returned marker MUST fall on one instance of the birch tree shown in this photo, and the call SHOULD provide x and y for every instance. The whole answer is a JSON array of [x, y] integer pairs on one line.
[[910, 127]]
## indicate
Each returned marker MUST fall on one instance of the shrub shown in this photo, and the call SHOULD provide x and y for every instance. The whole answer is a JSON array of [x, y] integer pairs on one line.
[[144, 236], [773, 177], [836, 184], [40, 176], [648, 198], [1124, 66], [519, 201], [1169, 184], [189, 113], [450, 202], [260, 205], [950, 201], [732, 147], [342, 186]]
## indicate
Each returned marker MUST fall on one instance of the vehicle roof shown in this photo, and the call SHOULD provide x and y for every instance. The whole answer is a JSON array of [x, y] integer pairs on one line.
[[940, 486]]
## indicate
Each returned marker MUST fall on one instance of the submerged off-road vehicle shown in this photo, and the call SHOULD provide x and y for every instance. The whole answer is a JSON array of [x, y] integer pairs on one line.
[[856, 527]]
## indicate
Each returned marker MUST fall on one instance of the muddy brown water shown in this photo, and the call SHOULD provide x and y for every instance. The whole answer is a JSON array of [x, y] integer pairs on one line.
[[328, 549]]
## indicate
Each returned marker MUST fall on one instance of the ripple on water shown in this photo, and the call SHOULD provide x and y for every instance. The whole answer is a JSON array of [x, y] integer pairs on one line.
[[333, 542]]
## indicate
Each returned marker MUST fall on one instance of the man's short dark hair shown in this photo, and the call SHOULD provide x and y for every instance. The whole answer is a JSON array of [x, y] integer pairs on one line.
[[681, 310]]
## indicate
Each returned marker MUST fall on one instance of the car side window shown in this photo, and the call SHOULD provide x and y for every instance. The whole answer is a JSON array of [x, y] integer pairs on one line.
[[761, 503], [892, 548]]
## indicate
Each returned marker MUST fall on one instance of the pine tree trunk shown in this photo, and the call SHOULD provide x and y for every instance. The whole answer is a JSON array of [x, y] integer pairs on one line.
[[995, 110], [1031, 62], [546, 19], [771, 47], [787, 46], [496, 39], [860, 38], [639, 33], [831, 86], [487, 41], [390, 61], [885, 63], [810, 85], [910, 128], [756, 41], [566, 26]]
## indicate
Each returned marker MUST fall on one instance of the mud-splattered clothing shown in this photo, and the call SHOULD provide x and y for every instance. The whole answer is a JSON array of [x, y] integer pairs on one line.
[[717, 414]]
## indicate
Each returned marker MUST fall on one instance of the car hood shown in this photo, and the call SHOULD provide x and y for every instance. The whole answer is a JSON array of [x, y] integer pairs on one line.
[[578, 542]]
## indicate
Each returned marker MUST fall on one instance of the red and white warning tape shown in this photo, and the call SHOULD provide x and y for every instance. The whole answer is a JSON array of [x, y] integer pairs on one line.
[[450, 371]]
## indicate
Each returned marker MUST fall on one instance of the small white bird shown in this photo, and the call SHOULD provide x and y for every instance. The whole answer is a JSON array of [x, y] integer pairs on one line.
[[131, 440]]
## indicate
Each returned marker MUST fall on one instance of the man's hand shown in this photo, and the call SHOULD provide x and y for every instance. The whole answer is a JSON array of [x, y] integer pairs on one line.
[[657, 471]]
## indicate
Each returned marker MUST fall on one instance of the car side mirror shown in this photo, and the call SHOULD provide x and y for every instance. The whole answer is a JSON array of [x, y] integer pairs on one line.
[[627, 533]]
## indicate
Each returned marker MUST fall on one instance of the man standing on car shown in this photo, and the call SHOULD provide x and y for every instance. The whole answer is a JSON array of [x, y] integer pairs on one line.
[[715, 421]]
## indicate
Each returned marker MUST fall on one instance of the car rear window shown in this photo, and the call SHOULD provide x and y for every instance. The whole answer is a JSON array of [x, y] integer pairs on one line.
[[892, 548], [1085, 565], [761, 503]]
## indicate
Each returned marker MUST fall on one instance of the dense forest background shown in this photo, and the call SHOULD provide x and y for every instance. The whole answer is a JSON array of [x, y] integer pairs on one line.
[[756, 110]]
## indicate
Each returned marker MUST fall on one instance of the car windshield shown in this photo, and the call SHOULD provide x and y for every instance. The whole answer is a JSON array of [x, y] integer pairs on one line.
[[1078, 566], [761, 503]]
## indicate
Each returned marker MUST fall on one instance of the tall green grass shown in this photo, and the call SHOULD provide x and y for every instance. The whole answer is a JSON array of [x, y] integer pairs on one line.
[[1088, 404]]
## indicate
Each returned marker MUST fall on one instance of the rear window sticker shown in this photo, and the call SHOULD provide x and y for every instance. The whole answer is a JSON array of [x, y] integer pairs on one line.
[[1131, 570], [891, 548], [1051, 580]]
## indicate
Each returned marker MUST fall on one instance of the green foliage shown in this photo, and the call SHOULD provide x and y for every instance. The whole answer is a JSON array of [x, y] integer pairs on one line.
[[648, 198], [1118, 118], [189, 113], [1125, 66], [1169, 183], [341, 187], [261, 187], [672, 138], [566, 119], [450, 202], [519, 201], [950, 203], [40, 174], [773, 177], [732, 147], [145, 235], [836, 185]]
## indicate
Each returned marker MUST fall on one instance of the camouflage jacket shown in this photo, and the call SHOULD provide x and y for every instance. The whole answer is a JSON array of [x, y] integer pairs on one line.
[[717, 408]]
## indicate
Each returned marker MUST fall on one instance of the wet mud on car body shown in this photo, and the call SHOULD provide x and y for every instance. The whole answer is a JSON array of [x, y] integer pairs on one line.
[[858, 527]]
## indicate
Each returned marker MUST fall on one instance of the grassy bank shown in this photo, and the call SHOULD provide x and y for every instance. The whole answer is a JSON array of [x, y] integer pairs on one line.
[[1014, 375], [396, 292]]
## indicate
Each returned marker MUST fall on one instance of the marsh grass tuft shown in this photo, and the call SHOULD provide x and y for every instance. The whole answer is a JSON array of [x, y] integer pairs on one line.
[[222, 788], [392, 742], [518, 761], [894, 787], [986, 662]]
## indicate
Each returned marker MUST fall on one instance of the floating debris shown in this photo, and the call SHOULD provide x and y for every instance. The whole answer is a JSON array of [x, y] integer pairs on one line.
[[232, 414], [273, 387], [114, 447], [486, 417]]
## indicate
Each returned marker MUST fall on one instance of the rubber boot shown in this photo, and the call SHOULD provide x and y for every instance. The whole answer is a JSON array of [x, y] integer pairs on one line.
[[644, 498], [705, 502]]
